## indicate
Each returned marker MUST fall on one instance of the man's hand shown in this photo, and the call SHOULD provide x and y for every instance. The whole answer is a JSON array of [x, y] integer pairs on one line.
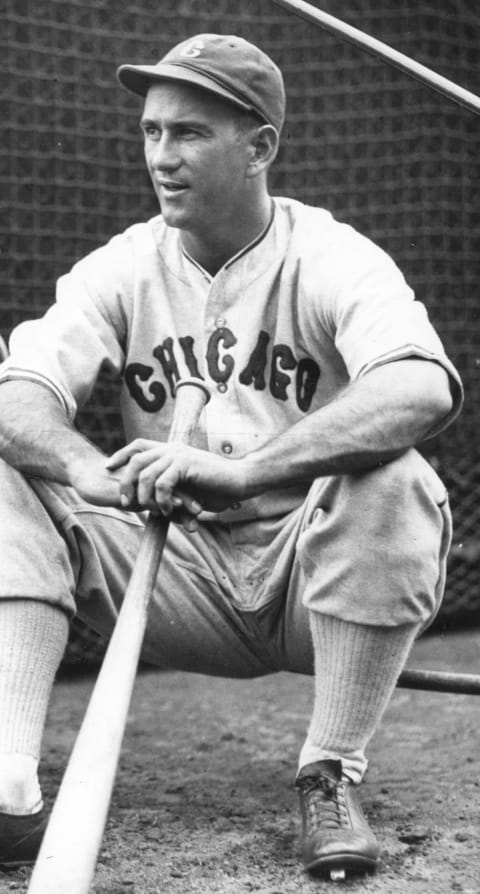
[[175, 480]]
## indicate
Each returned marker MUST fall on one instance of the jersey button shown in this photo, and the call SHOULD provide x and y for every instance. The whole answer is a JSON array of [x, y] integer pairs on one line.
[[220, 323], [227, 447], [236, 506], [222, 387]]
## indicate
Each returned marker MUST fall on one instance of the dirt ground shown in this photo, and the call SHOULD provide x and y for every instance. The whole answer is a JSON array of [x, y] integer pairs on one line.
[[204, 798]]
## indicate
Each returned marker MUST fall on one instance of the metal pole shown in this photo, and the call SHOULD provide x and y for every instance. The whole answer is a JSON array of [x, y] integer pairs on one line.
[[377, 48]]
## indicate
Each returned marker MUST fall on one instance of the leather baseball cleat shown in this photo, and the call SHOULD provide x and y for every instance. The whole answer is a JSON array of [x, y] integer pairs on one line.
[[336, 836], [20, 838]]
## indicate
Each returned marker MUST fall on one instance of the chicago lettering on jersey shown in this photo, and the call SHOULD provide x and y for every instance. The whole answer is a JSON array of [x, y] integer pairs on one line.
[[276, 368]]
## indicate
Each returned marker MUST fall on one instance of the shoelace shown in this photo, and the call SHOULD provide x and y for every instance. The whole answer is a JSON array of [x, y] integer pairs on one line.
[[325, 803]]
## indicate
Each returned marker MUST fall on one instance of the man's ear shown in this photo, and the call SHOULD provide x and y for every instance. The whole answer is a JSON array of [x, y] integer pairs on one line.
[[263, 148]]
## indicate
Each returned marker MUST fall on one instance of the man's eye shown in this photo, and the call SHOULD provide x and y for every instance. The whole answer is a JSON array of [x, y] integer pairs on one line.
[[151, 132]]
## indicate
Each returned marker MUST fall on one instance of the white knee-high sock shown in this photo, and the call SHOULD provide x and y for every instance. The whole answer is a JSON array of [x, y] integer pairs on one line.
[[33, 636], [356, 669]]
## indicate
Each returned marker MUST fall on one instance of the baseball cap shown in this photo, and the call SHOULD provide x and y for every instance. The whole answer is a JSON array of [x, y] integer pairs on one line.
[[226, 65]]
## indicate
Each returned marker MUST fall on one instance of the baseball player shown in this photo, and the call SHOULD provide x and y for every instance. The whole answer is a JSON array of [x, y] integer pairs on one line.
[[311, 535]]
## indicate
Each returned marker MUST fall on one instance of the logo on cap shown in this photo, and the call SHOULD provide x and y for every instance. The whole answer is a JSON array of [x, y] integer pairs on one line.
[[193, 49]]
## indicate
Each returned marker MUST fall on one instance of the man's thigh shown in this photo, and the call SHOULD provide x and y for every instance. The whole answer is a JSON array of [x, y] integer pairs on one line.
[[235, 599], [220, 605], [193, 623], [369, 548], [230, 599]]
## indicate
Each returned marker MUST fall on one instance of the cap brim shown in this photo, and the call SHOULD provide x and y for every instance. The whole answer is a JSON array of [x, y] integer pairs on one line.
[[138, 79]]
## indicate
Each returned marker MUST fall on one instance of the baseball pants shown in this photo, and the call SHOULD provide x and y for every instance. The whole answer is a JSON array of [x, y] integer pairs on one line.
[[233, 599]]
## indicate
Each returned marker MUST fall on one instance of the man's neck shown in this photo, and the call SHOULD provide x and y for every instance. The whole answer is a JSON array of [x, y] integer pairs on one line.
[[213, 251]]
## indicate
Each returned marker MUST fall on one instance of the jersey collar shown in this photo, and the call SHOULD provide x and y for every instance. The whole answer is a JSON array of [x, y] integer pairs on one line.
[[240, 254]]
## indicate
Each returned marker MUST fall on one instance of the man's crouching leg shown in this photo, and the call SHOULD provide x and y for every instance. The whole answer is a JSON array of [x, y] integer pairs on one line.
[[356, 668], [33, 636], [374, 556]]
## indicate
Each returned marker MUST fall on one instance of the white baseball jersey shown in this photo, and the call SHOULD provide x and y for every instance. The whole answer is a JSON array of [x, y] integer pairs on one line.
[[285, 325]]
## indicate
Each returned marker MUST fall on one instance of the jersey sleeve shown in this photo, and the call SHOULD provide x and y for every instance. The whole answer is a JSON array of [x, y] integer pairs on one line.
[[84, 330], [374, 318]]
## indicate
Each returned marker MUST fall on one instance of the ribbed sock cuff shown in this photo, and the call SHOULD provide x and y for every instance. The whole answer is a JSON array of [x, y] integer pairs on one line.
[[356, 669], [33, 636]]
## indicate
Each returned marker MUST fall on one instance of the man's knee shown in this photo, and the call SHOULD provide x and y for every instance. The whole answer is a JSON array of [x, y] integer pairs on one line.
[[35, 560], [383, 499], [376, 547]]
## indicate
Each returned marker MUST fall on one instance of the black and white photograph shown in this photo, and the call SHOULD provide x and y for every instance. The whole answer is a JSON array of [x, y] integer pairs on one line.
[[239, 446]]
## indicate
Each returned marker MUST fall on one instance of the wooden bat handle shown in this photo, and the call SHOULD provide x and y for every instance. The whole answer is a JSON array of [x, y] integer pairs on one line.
[[69, 851]]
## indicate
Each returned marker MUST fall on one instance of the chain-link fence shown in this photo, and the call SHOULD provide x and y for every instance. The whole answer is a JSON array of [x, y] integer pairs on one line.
[[381, 151]]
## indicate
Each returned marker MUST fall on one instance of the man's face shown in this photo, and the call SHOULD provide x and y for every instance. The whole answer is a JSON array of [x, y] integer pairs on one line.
[[197, 157]]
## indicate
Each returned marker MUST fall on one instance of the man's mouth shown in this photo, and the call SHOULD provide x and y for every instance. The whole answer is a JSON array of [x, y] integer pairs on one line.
[[172, 186]]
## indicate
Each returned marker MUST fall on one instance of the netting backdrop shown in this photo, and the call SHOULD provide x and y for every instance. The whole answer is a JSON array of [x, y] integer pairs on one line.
[[392, 157]]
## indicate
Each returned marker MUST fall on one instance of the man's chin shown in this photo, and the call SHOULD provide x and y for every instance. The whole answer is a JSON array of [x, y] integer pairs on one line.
[[173, 218], [174, 224], [178, 216]]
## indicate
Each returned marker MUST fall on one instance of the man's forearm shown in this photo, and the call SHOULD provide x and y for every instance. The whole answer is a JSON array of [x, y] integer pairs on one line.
[[373, 421], [36, 436]]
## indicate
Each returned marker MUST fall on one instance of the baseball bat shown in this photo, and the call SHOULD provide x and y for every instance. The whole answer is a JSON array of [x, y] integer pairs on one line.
[[68, 855], [376, 47], [440, 681]]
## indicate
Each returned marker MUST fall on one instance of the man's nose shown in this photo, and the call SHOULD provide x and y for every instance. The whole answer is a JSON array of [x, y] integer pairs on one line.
[[163, 154]]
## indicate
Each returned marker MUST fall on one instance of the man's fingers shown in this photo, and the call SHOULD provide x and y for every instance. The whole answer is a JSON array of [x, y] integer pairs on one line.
[[192, 505], [162, 480], [151, 478], [187, 521], [151, 482], [124, 454], [139, 478], [186, 511]]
